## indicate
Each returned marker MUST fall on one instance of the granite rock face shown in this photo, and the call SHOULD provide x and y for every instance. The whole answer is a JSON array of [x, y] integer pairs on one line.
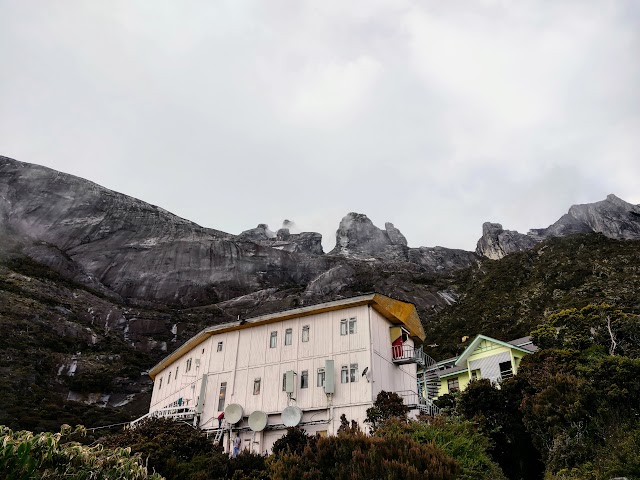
[[305, 242], [131, 251], [613, 217], [358, 238], [496, 242], [115, 243]]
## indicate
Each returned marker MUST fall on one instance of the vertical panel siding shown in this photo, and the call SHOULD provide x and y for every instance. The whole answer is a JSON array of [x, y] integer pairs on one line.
[[246, 355]]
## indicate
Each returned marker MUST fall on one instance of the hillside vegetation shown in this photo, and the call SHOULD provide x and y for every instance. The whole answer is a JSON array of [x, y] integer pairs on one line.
[[507, 298]]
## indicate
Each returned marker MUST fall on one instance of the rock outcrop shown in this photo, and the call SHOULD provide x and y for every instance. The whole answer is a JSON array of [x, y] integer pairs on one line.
[[496, 242], [613, 217], [358, 238], [305, 242]]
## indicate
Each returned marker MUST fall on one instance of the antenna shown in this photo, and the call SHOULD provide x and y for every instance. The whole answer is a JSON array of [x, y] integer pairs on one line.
[[258, 421], [291, 416], [233, 413]]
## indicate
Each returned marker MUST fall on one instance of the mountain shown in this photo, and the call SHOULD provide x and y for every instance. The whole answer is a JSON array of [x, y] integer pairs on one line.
[[96, 286], [612, 217]]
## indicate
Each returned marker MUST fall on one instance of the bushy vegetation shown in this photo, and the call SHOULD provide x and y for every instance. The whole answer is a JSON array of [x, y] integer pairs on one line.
[[351, 455], [572, 412], [24, 456], [508, 298]]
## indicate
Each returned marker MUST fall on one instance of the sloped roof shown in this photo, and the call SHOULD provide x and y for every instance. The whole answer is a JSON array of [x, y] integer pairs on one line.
[[476, 341], [396, 311]]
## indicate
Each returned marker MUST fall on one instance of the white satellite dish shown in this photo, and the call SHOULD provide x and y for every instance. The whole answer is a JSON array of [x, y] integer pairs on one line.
[[257, 421], [233, 413], [291, 416]]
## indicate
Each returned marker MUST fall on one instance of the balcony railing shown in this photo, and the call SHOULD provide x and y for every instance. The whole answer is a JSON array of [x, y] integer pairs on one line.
[[175, 413], [403, 354], [415, 401]]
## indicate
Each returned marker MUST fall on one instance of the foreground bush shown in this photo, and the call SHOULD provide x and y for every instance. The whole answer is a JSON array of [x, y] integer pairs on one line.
[[24, 455], [352, 455], [460, 439]]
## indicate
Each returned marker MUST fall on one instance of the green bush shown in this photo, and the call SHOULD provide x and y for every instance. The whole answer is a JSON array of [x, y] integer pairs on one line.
[[24, 455]]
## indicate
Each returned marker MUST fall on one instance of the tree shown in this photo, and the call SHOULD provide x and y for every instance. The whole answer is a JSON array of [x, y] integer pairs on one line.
[[387, 405]]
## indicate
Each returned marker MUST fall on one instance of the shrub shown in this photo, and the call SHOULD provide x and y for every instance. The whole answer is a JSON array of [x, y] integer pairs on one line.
[[24, 455]]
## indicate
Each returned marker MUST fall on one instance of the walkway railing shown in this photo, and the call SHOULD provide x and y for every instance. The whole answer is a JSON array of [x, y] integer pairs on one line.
[[175, 413]]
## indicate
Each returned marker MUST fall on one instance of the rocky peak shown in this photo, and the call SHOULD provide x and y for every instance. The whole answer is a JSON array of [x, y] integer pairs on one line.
[[613, 217], [395, 236], [260, 233], [496, 242], [358, 237]]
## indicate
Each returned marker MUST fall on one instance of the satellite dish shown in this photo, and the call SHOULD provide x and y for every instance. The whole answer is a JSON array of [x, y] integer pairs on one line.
[[257, 421], [291, 416], [233, 413]]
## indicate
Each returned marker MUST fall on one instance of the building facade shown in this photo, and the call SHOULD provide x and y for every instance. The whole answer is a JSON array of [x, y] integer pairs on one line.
[[327, 360], [485, 357]]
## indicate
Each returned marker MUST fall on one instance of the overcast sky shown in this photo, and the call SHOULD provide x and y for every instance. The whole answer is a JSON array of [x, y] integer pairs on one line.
[[433, 115]]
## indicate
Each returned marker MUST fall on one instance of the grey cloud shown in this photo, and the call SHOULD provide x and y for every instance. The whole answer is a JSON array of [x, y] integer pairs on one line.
[[435, 116]]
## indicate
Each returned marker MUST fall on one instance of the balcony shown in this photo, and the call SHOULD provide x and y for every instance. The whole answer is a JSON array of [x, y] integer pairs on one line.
[[175, 413], [415, 401], [404, 354]]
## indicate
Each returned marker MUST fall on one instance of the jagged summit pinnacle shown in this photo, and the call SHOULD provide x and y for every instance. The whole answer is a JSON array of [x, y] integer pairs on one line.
[[613, 217]]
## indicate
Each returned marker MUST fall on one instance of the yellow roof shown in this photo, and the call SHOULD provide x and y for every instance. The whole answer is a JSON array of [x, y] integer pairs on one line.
[[395, 311]]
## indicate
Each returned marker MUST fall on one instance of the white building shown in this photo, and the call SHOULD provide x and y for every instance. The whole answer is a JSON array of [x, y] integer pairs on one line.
[[328, 359]]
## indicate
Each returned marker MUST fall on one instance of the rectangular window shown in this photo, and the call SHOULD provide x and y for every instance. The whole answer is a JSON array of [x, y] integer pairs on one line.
[[159, 384], [475, 374], [343, 327], [284, 382], [354, 373], [344, 374], [176, 375], [188, 365], [505, 370], [219, 349], [304, 379], [321, 377], [256, 386], [453, 385], [353, 326], [222, 396], [169, 379], [305, 333], [288, 336], [273, 340]]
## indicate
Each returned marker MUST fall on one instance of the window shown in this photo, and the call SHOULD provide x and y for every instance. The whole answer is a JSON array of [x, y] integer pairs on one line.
[[176, 375], [475, 374], [304, 379], [505, 370], [288, 336], [203, 351], [343, 326], [321, 377], [219, 349], [169, 379], [344, 374], [353, 326], [453, 385], [188, 365], [284, 382], [273, 341], [159, 384], [305, 333], [354, 372], [222, 396], [256, 386]]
